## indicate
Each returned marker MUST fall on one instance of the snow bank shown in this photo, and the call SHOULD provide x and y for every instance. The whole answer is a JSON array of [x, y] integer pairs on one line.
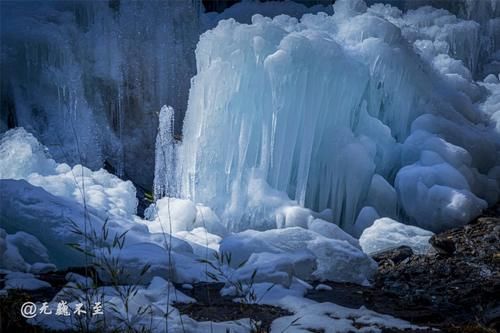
[[23, 157], [324, 113], [336, 259], [387, 234]]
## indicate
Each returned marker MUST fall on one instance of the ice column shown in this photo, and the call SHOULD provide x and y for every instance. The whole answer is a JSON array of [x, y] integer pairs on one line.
[[165, 155]]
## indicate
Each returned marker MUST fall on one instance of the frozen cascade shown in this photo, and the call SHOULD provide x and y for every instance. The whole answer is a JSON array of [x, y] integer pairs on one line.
[[479, 55], [86, 77], [339, 112], [165, 155]]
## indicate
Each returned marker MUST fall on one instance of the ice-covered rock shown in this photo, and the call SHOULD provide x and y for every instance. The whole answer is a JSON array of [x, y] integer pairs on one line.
[[386, 234], [23, 252], [333, 231], [336, 259], [10, 258]]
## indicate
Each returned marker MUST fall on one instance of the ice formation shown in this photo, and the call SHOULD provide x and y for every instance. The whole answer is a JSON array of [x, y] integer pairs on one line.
[[291, 125], [244, 10], [370, 107], [165, 155]]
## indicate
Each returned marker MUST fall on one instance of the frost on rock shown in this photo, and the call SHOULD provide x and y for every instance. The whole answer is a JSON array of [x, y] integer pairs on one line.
[[387, 234], [370, 107]]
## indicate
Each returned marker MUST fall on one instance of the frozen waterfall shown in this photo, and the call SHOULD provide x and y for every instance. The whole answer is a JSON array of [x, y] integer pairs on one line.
[[371, 107]]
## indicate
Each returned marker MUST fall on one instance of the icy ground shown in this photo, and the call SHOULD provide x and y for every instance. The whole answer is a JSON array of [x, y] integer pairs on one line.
[[314, 133]]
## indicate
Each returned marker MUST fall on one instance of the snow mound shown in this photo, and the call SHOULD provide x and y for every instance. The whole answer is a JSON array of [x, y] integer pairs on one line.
[[326, 112], [387, 234], [23, 157], [277, 268], [336, 259], [173, 215], [23, 252]]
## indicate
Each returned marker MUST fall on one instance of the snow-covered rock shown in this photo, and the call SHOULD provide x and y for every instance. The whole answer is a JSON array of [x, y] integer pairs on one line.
[[386, 233]]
